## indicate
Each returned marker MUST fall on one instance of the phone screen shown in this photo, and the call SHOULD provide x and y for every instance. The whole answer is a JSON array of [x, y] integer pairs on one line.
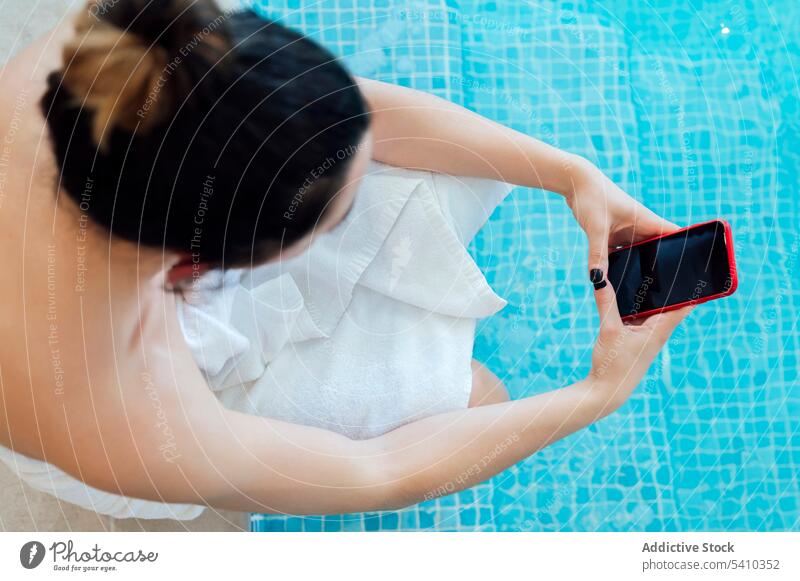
[[682, 267]]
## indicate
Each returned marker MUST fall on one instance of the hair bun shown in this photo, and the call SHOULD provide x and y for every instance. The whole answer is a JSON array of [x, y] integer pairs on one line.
[[125, 62]]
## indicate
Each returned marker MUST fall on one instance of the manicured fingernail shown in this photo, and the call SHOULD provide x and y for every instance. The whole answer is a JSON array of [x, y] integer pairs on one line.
[[597, 278]]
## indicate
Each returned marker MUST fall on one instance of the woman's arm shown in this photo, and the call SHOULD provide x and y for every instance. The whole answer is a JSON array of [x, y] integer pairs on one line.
[[233, 460], [418, 130], [288, 468]]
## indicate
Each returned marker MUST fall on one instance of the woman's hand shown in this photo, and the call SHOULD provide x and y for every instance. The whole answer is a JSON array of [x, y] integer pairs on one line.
[[608, 215], [624, 352]]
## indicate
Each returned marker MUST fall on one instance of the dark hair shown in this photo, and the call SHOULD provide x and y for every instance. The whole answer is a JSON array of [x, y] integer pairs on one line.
[[177, 125]]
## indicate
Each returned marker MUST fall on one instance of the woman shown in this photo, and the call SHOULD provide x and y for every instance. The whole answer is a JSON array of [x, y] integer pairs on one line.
[[171, 139]]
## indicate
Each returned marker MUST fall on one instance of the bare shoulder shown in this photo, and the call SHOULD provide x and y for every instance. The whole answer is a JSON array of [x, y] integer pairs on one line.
[[127, 404], [145, 430], [23, 139]]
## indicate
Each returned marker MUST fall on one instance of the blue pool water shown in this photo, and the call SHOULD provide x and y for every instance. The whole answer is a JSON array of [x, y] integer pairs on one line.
[[693, 109]]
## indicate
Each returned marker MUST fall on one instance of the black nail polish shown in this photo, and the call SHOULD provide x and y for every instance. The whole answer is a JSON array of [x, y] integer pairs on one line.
[[596, 275], [599, 285]]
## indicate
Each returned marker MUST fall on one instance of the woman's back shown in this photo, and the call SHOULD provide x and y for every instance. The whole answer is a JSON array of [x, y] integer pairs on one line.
[[85, 320]]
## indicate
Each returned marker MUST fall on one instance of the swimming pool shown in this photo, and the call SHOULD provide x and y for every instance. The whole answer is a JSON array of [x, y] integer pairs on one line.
[[693, 109]]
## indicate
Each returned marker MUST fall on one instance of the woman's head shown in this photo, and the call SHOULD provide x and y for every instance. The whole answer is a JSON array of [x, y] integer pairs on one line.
[[223, 136]]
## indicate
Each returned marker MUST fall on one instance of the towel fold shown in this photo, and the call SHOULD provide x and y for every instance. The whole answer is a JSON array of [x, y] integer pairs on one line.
[[371, 328]]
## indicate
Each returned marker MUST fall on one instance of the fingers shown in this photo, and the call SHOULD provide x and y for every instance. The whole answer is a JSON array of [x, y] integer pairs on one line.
[[669, 226], [606, 301], [665, 323], [598, 250], [651, 224]]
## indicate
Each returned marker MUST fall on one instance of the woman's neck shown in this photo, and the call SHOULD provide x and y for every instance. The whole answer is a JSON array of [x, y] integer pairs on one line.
[[103, 258]]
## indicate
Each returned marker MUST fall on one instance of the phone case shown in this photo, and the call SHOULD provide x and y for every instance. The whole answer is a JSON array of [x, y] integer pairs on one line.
[[731, 264]]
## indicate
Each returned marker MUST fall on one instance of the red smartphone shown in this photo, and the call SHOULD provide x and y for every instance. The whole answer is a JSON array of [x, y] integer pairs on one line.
[[690, 266]]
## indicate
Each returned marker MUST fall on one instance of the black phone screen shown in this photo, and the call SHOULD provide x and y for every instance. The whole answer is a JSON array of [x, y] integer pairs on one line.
[[685, 266]]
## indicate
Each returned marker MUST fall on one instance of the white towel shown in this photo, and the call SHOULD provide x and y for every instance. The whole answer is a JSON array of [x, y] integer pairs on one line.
[[370, 329]]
